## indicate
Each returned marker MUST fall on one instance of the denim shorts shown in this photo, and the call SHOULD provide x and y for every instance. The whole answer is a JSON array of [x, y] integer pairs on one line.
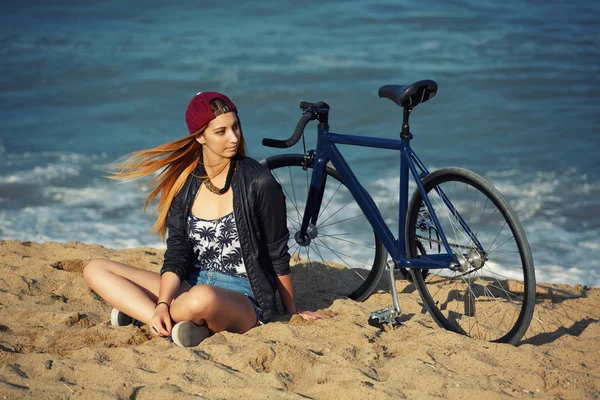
[[235, 283]]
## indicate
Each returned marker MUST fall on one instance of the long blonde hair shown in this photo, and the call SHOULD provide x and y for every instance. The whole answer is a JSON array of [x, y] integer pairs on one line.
[[175, 160]]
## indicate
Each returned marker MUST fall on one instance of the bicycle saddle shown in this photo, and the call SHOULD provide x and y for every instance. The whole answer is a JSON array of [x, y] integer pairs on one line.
[[409, 95]]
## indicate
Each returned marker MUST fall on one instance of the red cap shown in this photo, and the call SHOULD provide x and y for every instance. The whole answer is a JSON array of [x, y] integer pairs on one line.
[[199, 113]]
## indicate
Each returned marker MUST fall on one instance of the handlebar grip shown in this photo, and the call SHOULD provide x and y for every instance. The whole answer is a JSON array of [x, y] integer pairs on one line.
[[282, 144], [305, 105], [279, 144]]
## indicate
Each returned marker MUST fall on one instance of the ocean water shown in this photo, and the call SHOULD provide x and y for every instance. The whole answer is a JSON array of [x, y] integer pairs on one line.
[[83, 83]]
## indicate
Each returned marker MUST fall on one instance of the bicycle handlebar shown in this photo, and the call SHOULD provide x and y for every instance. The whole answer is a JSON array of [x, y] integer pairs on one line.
[[283, 144], [305, 105], [312, 111]]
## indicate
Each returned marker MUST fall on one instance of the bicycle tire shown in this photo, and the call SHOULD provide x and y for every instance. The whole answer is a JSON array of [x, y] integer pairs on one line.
[[495, 288], [337, 270]]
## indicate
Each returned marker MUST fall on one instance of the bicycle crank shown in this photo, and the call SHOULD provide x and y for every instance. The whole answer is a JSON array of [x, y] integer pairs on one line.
[[391, 314]]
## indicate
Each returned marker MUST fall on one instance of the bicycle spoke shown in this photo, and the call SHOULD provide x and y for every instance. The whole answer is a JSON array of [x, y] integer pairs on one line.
[[343, 242], [294, 202], [497, 274], [498, 303], [485, 314], [347, 233], [485, 288], [478, 230], [440, 287], [349, 241], [493, 251], [332, 215], [508, 294], [331, 198], [499, 232], [453, 225], [339, 222], [344, 261], [293, 250], [295, 224], [310, 262], [316, 249], [481, 223], [513, 266]]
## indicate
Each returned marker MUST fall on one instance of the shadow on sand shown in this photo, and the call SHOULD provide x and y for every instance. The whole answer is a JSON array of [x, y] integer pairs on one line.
[[548, 337]]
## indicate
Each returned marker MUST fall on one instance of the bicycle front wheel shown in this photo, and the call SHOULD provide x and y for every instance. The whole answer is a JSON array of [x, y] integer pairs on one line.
[[490, 295], [344, 256]]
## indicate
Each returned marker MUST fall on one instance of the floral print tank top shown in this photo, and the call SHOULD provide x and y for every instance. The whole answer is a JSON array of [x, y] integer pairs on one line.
[[216, 245]]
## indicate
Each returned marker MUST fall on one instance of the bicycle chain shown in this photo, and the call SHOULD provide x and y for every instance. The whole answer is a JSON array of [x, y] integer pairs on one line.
[[439, 242], [453, 276]]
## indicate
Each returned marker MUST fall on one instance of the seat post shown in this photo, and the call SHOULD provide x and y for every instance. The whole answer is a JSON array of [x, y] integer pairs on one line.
[[405, 127]]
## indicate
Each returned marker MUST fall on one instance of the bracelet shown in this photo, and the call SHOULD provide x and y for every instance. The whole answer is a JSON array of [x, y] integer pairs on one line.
[[163, 302]]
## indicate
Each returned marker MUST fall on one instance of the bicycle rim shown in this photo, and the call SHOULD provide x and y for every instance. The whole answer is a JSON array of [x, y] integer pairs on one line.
[[491, 294], [345, 258]]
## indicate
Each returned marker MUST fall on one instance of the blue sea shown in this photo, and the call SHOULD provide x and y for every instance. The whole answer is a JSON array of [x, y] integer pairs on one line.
[[83, 83]]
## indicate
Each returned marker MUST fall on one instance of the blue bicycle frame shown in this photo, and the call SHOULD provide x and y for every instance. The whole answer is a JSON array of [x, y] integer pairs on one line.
[[327, 151]]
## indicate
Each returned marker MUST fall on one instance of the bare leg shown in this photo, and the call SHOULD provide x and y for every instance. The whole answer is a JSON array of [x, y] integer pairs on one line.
[[220, 309], [131, 290], [134, 291]]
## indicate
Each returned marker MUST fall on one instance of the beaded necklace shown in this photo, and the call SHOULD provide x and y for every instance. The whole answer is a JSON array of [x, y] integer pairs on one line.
[[212, 188]]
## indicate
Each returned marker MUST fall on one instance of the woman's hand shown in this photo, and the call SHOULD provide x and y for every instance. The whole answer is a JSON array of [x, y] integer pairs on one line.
[[312, 315], [160, 323]]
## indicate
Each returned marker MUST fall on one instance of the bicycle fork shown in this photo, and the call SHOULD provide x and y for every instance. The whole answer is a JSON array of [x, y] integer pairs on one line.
[[308, 229]]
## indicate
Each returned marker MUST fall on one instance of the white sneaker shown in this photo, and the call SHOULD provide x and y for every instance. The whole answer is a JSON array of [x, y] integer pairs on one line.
[[117, 318], [187, 334]]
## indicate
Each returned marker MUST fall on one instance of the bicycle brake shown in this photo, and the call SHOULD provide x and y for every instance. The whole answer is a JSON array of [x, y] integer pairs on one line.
[[309, 160]]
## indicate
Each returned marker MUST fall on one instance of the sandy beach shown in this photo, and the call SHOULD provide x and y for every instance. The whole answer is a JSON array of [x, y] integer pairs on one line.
[[56, 342]]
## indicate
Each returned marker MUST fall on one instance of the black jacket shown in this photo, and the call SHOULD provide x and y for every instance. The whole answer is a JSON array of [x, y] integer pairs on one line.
[[260, 216]]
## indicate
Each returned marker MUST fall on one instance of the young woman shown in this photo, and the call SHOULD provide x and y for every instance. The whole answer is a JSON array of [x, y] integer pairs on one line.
[[225, 215]]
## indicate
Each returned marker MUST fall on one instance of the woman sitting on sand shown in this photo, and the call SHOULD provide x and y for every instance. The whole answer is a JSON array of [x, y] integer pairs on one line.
[[227, 253]]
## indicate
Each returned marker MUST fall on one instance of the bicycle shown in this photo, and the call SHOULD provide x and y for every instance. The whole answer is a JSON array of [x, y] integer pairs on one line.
[[461, 242]]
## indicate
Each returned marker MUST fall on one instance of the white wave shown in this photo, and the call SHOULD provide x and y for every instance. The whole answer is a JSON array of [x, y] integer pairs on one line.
[[542, 185], [42, 224], [32, 168], [530, 196], [69, 157], [589, 245], [504, 174], [560, 254], [107, 196], [41, 174], [431, 45], [571, 276]]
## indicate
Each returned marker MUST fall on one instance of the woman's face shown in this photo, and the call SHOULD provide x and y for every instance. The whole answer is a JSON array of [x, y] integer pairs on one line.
[[221, 138]]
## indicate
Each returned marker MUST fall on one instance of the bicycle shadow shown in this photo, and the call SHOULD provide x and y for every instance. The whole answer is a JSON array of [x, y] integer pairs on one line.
[[557, 295], [550, 300], [319, 285], [576, 330]]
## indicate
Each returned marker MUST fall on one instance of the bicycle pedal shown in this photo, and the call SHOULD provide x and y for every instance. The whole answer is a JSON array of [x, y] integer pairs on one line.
[[388, 315]]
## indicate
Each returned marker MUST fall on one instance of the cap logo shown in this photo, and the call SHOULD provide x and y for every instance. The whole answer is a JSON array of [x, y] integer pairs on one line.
[[222, 110]]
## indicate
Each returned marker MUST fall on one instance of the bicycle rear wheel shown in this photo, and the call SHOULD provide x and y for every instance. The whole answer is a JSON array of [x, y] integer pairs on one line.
[[344, 257], [491, 294]]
